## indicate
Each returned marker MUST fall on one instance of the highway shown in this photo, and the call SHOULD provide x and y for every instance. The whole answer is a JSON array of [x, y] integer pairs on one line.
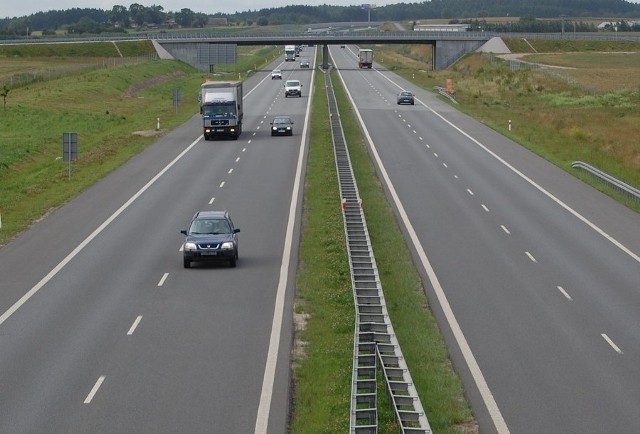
[[534, 276], [102, 330]]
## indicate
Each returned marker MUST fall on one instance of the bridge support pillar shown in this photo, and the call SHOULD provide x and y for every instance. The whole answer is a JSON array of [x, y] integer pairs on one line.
[[446, 53], [325, 56]]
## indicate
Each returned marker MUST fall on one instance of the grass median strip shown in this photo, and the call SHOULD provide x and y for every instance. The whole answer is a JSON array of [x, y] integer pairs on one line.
[[325, 305]]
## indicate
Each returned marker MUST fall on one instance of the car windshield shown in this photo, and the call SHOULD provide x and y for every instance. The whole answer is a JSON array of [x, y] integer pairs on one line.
[[276, 71], [406, 94], [210, 227], [293, 83], [282, 121]]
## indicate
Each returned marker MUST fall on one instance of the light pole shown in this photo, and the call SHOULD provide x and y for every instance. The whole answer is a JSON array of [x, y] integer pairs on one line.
[[368, 8]]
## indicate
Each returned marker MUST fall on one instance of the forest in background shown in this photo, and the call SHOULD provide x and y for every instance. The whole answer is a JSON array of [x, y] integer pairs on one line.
[[538, 16]]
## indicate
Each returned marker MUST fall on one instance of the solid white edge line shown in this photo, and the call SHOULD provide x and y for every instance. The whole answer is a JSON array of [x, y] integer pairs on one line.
[[6, 315], [465, 349], [134, 325], [262, 417], [94, 390]]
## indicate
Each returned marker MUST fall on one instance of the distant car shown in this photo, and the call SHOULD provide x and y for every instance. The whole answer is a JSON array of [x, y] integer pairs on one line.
[[405, 97], [292, 88], [211, 237], [304, 63], [282, 126], [341, 46], [276, 74]]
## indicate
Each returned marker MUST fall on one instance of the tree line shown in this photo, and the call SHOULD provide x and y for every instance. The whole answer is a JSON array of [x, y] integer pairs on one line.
[[121, 18], [96, 21]]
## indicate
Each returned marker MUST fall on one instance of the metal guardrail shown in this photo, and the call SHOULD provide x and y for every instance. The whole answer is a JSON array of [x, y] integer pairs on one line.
[[612, 182], [375, 344], [443, 91]]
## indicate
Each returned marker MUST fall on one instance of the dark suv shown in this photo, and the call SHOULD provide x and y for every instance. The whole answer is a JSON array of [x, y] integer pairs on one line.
[[210, 237]]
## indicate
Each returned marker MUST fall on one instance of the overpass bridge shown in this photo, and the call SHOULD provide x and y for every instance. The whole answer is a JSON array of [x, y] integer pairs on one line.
[[202, 50]]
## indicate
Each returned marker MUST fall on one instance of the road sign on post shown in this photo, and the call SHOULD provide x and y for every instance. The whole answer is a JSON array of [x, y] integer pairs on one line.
[[69, 148]]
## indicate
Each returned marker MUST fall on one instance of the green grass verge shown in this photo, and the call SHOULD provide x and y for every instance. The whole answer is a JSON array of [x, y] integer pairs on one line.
[[324, 304], [95, 49]]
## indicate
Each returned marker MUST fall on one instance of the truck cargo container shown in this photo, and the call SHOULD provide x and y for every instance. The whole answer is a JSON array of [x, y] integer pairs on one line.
[[221, 109], [365, 58]]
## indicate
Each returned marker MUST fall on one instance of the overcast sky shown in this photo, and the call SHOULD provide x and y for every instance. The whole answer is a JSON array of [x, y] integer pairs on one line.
[[13, 8]]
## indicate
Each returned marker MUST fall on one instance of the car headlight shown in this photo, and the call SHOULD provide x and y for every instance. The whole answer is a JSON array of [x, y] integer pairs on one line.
[[288, 128], [274, 128], [190, 246], [228, 245]]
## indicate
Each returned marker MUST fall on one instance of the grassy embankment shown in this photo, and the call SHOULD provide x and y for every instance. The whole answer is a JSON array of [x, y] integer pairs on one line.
[[589, 110]]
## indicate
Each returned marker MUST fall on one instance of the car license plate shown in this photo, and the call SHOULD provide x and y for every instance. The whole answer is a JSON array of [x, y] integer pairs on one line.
[[220, 130], [208, 253]]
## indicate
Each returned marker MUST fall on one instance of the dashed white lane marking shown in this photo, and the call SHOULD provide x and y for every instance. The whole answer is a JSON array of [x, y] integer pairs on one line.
[[6, 315], [237, 159], [484, 207], [506, 231], [531, 257], [565, 293], [94, 390], [230, 171], [221, 184], [134, 325], [164, 277], [445, 165], [610, 342], [212, 200], [470, 192]]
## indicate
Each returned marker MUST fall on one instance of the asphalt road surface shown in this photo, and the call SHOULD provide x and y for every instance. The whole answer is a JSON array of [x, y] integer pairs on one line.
[[533, 275], [102, 330]]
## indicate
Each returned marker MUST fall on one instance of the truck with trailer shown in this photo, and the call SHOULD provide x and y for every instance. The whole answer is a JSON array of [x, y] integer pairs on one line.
[[290, 53], [365, 58], [221, 109]]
